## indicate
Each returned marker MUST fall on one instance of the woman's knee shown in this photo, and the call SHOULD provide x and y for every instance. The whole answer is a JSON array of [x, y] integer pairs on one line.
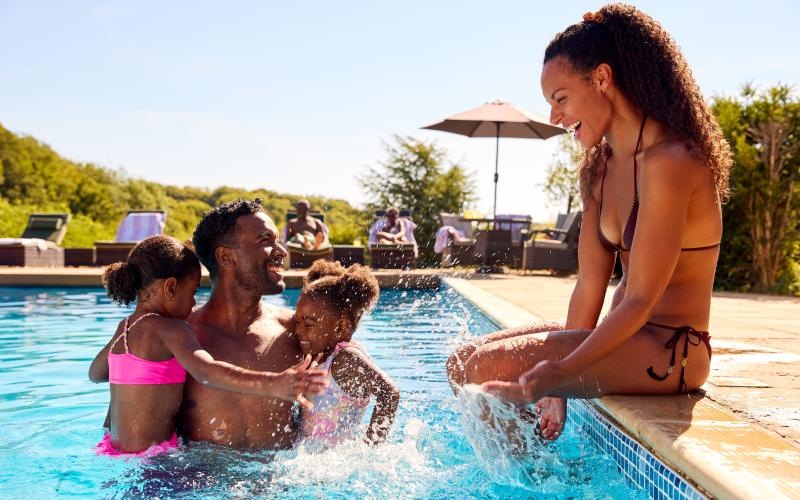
[[485, 364], [456, 362]]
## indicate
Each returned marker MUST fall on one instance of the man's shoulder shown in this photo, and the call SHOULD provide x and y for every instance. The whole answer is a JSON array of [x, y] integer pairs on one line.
[[274, 320]]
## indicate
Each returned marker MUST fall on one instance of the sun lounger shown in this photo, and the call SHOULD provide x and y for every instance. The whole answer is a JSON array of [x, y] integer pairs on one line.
[[39, 244], [393, 255], [455, 251], [299, 256]]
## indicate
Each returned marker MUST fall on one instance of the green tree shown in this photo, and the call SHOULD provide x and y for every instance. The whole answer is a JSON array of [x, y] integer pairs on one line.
[[417, 176], [562, 182], [33, 178], [761, 246]]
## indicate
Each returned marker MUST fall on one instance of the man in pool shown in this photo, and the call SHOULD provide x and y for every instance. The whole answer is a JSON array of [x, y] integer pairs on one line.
[[238, 244]]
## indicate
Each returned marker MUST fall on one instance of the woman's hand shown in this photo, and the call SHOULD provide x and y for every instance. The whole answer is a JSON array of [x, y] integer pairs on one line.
[[533, 385]]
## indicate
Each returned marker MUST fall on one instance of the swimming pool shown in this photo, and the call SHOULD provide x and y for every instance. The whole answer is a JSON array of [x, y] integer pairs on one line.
[[51, 416]]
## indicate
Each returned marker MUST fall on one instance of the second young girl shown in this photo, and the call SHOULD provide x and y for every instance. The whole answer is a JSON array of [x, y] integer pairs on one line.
[[330, 307], [147, 358]]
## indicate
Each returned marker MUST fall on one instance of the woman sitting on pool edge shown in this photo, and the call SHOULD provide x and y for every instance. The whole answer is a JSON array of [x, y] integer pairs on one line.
[[148, 356], [327, 314], [620, 82]]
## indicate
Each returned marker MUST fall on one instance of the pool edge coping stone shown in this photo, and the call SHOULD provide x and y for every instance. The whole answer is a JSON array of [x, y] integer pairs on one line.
[[92, 277]]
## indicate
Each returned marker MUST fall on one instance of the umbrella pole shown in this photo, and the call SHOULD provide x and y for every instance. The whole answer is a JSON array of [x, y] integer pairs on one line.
[[485, 267], [496, 157]]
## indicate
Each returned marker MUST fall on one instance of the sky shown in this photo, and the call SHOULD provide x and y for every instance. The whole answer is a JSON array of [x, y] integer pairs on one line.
[[301, 97]]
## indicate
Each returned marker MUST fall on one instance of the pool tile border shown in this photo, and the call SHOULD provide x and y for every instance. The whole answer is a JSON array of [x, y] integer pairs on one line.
[[640, 467]]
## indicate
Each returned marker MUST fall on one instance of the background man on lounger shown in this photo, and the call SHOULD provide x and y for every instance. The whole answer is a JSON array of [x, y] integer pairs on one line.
[[238, 243], [306, 231], [393, 228]]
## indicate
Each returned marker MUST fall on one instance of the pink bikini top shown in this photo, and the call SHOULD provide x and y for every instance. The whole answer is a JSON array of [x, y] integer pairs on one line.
[[128, 368]]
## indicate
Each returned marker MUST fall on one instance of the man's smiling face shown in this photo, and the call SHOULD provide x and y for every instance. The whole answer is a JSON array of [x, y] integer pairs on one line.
[[259, 263]]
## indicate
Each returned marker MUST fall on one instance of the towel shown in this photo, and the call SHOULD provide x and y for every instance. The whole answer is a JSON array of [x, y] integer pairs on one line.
[[41, 244], [443, 236], [138, 226]]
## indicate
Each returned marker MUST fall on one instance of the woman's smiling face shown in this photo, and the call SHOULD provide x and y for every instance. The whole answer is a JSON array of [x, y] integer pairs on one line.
[[576, 103]]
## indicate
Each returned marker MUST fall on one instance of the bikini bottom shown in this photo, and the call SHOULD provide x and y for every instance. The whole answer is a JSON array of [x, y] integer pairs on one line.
[[693, 337], [105, 447]]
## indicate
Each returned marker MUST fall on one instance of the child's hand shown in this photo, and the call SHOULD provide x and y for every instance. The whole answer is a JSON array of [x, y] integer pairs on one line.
[[302, 378]]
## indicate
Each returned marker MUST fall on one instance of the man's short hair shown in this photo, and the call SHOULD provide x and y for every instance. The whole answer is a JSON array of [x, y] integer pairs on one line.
[[392, 208], [303, 202], [218, 228]]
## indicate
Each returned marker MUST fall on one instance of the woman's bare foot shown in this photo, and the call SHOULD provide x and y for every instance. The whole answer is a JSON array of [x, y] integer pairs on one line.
[[552, 415]]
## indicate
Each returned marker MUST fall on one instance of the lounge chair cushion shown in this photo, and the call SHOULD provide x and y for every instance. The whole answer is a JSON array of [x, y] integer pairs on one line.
[[52, 223], [297, 248], [551, 244]]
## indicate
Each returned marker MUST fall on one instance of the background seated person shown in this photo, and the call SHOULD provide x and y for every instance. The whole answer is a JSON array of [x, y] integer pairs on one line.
[[392, 230], [305, 231]]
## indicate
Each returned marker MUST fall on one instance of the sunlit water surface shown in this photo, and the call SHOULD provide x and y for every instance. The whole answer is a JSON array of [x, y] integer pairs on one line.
[[51, 417]]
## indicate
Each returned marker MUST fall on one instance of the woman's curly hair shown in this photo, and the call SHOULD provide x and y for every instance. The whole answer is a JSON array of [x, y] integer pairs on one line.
[[650, 70], [351, 291]]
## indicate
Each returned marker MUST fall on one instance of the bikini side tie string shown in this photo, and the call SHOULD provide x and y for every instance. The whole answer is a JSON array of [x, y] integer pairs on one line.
[[692, 336]]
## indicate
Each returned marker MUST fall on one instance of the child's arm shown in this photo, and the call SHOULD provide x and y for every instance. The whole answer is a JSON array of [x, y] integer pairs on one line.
[[289, 384], [98, 370], [359, 377]]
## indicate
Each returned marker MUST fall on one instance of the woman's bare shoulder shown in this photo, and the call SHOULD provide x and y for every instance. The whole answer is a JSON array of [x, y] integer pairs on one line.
[[670, 153]]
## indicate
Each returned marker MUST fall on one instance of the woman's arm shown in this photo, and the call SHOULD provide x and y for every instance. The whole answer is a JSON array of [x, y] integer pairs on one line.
[[359, 377], [595, 265], [289, 384]]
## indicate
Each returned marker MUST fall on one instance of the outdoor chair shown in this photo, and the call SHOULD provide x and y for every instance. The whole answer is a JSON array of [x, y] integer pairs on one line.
[[500, 244], [300, 257], [136, 226], [39, 243], [393, 255], [559, 252], [519, 226], [455, 251]]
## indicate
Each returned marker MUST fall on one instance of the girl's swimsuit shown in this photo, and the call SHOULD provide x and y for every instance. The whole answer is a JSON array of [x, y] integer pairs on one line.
[[130, 369], [692, 336], [336, 415]]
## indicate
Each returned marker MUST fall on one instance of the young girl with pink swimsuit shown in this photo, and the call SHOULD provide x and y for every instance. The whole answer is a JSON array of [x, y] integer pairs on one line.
[[147, 368]]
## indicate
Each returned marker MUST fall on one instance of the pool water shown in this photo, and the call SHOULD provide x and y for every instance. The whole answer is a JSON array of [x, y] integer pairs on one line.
[[51, 417]]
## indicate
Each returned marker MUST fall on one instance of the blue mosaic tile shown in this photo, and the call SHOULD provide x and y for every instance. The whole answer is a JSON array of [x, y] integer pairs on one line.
[[641, 468]]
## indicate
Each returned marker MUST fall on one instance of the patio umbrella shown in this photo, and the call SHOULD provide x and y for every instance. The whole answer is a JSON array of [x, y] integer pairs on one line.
[[498, 119]]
